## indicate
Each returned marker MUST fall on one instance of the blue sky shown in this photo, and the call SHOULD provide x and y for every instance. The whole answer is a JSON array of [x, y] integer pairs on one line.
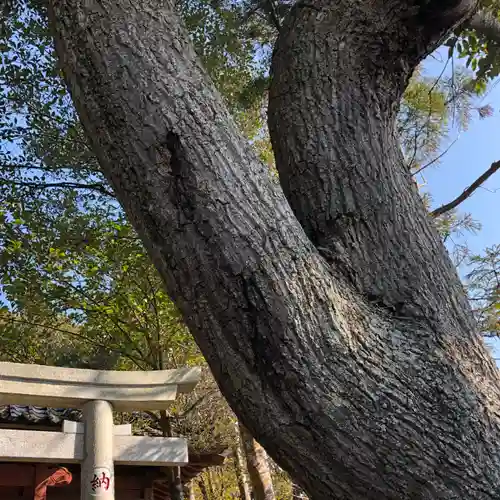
[[475, 150], [472, 154]]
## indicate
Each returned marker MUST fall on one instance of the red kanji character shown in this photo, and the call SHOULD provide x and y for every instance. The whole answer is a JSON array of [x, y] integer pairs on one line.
[[105, 481]]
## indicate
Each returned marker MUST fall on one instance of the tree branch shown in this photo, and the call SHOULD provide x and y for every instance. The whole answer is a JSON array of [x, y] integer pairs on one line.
[[43, 168], [467, 192], [48, 185], [436, 159], [274, 15], [197, 403]]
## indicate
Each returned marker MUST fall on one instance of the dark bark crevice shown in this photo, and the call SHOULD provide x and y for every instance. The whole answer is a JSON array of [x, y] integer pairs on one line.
[[354, 402]]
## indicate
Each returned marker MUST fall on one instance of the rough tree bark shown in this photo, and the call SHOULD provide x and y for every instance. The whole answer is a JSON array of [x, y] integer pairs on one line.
[[257, 466], [338, 332]]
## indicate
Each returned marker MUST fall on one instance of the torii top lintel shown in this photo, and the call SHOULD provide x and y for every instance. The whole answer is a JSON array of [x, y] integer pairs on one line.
[[72, 387]]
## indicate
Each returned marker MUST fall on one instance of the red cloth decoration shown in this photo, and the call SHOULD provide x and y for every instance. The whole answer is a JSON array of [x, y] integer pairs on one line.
[[60, 477]]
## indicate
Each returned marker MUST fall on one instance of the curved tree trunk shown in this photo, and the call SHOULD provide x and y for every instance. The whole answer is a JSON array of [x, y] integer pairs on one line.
[[338, 332], [258, 467]]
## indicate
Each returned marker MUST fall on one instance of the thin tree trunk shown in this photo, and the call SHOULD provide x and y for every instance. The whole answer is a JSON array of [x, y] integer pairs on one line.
[[298, 493], [239, 466], [203, 489], [258, 466], [339, 332], [174, 473], [210, 483], [190, 491], [176, 489]]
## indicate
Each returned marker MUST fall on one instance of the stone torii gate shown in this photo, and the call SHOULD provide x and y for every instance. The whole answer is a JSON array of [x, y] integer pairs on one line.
[[96, 444]]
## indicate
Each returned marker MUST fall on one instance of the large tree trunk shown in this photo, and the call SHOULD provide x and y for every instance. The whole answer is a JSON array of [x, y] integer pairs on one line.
[[344, 341], [258, 467]]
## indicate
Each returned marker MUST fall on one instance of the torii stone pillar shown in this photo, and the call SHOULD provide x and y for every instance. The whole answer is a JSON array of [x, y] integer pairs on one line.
[[97, 393], [97, 470]]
